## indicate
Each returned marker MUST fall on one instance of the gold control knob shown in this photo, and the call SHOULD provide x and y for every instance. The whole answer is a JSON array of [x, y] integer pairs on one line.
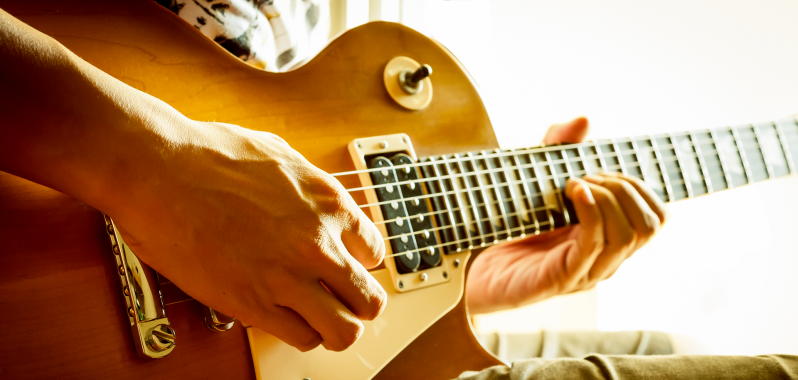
[[161, 338]]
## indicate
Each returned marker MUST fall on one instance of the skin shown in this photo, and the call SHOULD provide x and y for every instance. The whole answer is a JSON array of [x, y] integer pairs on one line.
[[618, 215], [235, 218], [244, 224]]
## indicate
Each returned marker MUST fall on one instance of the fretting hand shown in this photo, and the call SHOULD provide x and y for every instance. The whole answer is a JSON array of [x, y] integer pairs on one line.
[[618, 214]]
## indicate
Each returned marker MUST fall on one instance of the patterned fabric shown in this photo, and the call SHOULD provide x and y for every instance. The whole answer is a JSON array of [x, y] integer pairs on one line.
[[273, 35]]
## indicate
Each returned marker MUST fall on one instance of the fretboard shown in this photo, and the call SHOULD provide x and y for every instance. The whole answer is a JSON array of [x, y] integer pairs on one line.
[[483, 198]]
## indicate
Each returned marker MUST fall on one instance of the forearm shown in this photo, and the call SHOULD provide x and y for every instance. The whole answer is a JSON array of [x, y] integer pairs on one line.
[[68, 125]]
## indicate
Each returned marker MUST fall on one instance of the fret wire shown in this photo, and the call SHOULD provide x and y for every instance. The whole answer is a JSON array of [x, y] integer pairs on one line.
[[485, 195], [557, 185], [536, 173], [563, 161], [522, 177], [446, 201], [581, 154], [701, 163], [722, 159], [539, 149], [768, 167], [512, 195], [536, 195], [663, 170], [741, 152], [391, 237], [687, 185], [619, 155], [643, 170], [785, 146], [471, 202], [449, 177], [602, 163]]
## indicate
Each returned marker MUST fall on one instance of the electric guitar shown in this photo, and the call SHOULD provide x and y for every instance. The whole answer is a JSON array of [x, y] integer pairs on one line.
[[417, 151]]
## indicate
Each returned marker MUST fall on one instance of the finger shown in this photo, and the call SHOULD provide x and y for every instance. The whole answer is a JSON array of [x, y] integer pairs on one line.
[[288, 326], [643, 220], [654, 202], [573, 131], [618, 234], [590, 242], [353, 285], [336, 325], [363, 240]]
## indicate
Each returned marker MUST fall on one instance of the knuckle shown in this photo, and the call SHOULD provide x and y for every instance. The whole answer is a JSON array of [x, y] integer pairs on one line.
[[628, 241], [652, 225], [376, 303], [308, 342], [345, 336]]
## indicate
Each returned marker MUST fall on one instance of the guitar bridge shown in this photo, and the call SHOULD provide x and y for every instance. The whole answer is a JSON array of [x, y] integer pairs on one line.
[[153, 336]]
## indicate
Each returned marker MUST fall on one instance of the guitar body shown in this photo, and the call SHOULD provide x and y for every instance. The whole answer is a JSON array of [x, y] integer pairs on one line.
[[62, 314]]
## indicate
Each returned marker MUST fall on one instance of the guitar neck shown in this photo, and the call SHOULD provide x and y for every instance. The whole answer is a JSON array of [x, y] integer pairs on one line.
[[483, 198]]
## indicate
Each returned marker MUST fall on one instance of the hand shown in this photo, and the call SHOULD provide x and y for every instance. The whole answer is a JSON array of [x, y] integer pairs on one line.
[[244, 224], [618, 214], [235, 218]]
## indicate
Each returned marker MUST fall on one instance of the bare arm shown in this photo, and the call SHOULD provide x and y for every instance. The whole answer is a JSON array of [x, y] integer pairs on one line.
[[236, 218]]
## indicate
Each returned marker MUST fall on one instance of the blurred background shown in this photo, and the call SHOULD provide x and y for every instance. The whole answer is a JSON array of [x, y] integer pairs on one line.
[[722, 276]]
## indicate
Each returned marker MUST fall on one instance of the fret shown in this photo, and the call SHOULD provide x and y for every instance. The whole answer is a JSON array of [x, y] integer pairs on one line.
[[785, 146], [516, 202], [721, 156], [640, 161], [447, 203], [682, 168], [789, 129], [619, 155], [581, 154], [485, 199], [558, 187], [493, 176], [663, 169], [741, 152], [701, 162], [472, 204], [765, 157], [528, 195], [602, 163], [536, 173]]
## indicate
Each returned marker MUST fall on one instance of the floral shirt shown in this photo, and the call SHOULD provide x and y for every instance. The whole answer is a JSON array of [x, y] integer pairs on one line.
[[273, 35]]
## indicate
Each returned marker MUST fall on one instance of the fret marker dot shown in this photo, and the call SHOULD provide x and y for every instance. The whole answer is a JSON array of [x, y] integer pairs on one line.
[[394, 205], [459, 249], [482, 245], [389, 188], [523, 235], [509, 238], [399, 222], [496, 241]]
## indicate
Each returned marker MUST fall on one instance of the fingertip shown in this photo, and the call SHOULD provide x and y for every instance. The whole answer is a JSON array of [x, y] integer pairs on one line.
[[585, 195]]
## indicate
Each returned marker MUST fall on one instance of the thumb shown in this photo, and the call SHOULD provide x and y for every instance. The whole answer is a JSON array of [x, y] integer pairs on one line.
[[573, 131]]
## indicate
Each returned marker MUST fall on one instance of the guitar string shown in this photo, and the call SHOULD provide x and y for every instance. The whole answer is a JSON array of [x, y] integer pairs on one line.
[[566, 160], [542, 149], [505, 184]]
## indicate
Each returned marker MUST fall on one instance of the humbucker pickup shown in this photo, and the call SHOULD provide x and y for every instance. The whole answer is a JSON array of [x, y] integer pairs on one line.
[[407, 215]]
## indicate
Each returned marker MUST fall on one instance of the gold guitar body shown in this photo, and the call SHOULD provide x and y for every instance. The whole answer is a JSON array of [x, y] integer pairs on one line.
[[62, 314]]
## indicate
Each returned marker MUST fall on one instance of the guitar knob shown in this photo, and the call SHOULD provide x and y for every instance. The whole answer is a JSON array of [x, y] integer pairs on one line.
[[161, 338], [216, 321]]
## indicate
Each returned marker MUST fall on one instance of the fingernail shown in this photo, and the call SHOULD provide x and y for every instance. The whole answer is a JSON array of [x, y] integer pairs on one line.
[[587, 196]]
